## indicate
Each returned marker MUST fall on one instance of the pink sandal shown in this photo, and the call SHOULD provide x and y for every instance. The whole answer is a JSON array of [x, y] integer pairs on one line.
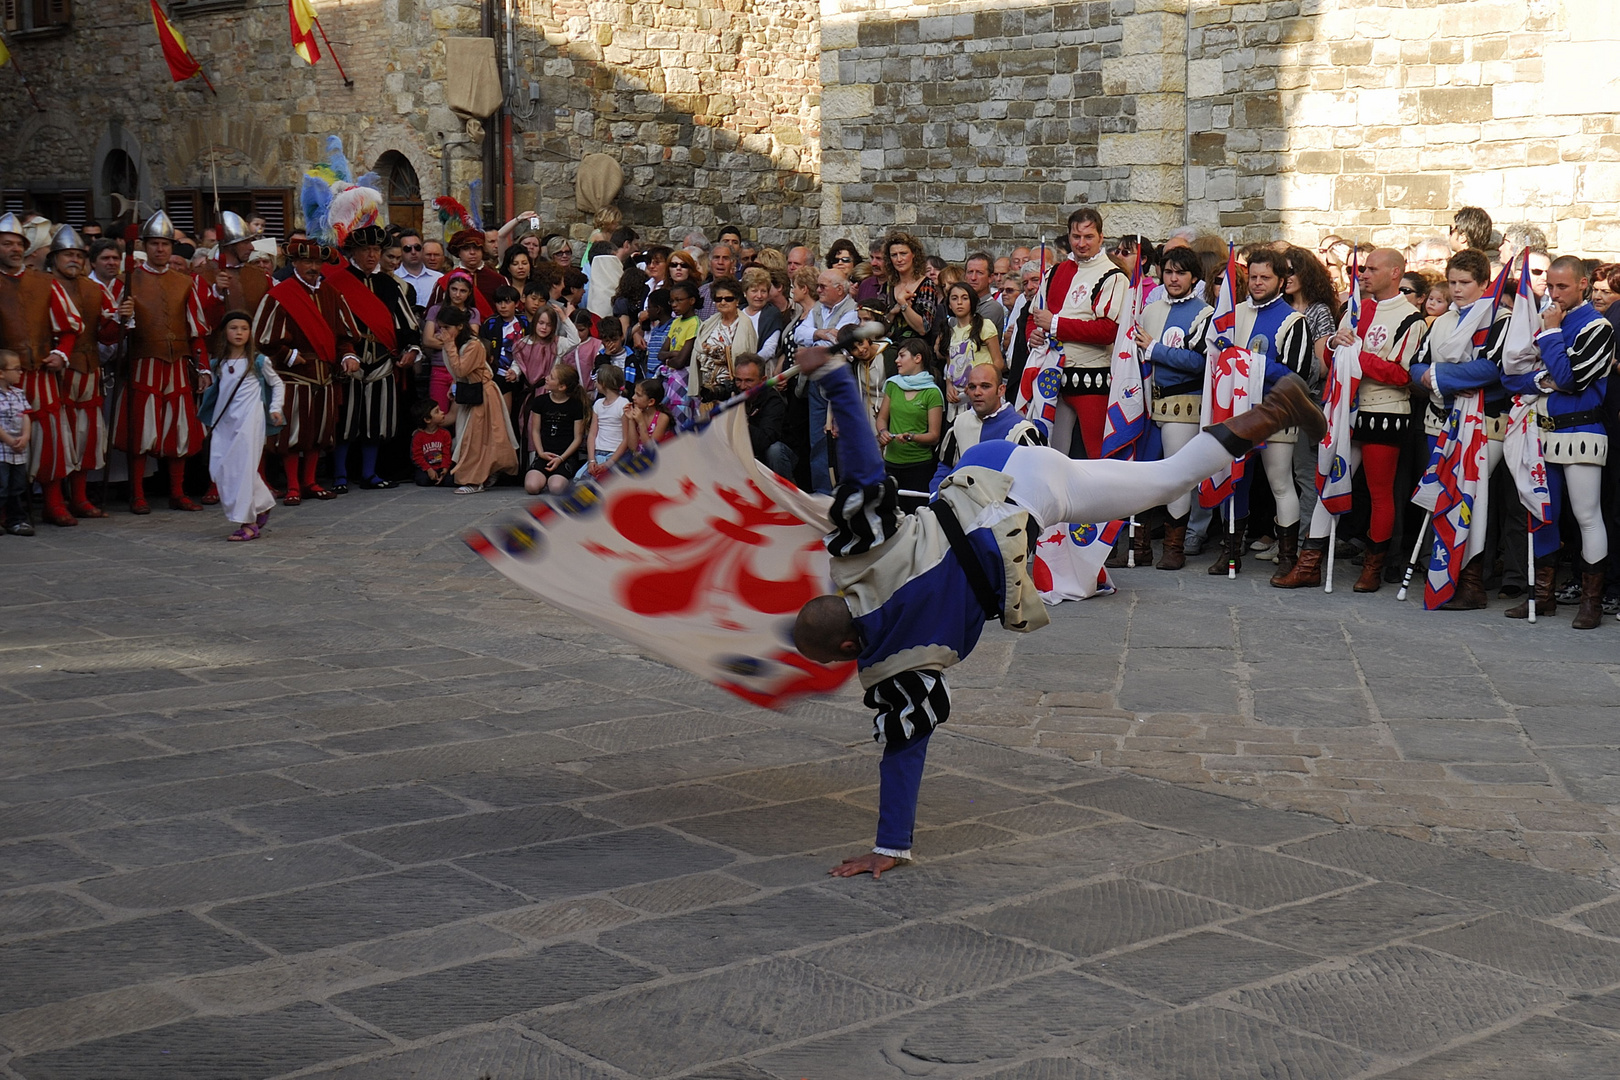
[[246, 532]]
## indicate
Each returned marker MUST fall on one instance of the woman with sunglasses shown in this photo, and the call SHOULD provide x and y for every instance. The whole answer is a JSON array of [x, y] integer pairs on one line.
[[723, 335], [843, 255]]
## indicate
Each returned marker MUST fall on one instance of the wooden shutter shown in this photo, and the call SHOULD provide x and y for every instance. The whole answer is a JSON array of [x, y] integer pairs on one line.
[[13, 14], [76, 207], [182, 206], [16, 202], [52, 13]]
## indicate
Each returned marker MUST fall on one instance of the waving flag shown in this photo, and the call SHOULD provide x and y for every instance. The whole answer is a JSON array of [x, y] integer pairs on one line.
[[694, 553], [1126, 419], [1233, 382], [1455, 490], [302, 17], [1521, 443], [182, 65]]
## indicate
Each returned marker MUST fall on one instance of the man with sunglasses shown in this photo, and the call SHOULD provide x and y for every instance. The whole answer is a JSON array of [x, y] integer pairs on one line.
[[414, 271]]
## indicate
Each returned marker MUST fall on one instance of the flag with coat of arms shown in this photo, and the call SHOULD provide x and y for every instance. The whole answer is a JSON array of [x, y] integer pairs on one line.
[[1334, 474], [1234, 380], [1126, 420], [1455, 488]]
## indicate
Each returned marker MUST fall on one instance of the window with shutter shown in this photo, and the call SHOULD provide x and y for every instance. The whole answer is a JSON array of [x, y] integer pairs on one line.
[[52, 13], [181, 204], [14, 14], [16, 202]]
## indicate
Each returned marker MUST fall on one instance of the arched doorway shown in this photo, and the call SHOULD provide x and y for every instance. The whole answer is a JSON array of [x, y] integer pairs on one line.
[[119, 175], [402, 190]]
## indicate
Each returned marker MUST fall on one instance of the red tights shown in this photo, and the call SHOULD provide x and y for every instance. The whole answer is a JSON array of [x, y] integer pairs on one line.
[[300, 474], [1091, 411], [1378, 462]]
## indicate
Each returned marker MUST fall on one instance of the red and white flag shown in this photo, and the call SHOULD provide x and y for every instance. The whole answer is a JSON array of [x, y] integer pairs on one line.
[[694, 553], [1455, 489], [1126, 419], [1234, 379], [1068, 563]]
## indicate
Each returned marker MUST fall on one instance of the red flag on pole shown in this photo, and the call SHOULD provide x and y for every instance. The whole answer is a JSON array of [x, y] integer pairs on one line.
[[182, 65], [302, 18]]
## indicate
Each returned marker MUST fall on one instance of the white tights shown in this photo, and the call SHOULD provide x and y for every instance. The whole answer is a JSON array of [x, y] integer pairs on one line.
[[1176, 436], [1583, 486], [1279, 462], [1056, 489]]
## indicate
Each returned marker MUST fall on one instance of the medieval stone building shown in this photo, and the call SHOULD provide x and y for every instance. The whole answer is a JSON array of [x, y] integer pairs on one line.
[[961, 121]]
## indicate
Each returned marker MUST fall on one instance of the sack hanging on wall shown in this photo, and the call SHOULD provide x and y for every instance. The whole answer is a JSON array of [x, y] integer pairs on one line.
[[598, 183], [473, 83]]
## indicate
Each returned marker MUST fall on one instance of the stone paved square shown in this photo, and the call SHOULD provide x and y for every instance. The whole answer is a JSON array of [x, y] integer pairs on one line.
[[342, 804]]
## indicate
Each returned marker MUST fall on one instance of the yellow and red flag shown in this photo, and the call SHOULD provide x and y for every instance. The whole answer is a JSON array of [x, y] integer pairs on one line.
[[182, 65], [302, 17]]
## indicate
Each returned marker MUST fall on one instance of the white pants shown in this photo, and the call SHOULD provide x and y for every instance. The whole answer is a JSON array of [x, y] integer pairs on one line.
[[1055, 489], [1278, 459], [1175, 436], [1583, 486]]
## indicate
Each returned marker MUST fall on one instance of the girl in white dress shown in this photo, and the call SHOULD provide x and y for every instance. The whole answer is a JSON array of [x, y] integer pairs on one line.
[[248, 388]]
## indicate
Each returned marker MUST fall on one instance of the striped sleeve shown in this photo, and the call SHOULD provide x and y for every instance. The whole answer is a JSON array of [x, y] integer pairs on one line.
[[1592, 354], [1294, 350], [863, 517]]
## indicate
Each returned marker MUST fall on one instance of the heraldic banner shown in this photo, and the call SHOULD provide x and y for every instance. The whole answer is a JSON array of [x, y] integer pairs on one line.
[[695, 554]]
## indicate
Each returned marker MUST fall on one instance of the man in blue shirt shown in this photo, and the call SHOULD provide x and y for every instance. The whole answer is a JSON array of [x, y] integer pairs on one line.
[[916, 589]]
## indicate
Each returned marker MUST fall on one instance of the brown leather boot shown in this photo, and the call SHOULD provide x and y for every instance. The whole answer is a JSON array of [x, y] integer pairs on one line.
[[1543, 592], [1372, 567], [1231, 548], [1175, 548], [1307, 572], [1287, 550], [1470, 594], [1142, 542], [1288, 405], [1590, 613], [1116, 557]]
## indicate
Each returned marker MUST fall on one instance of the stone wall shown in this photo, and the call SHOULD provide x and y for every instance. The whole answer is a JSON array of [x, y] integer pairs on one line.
[[1377, 119], [712, 108], [1255, 118]]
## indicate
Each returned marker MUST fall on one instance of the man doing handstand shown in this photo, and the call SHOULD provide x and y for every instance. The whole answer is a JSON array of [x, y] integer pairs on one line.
[[916, 589]]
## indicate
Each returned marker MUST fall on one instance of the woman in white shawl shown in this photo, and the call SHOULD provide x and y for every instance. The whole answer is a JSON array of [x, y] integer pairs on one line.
[[723, 336], [248, 387]]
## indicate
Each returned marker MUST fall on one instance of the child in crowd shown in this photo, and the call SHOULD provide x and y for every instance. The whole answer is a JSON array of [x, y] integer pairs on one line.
[[556, 432], [966, 339], [654, 327], [675, 356], [910, 420], [607, 423], [430, 446], [501, 333], [614, 352], [648, 419], [246, 387], [16, 429], [583, 353]]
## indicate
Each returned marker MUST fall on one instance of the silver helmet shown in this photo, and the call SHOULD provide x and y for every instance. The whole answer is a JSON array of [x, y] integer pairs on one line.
[[67, 238], [158, 227], [10, 224], [233, 230]]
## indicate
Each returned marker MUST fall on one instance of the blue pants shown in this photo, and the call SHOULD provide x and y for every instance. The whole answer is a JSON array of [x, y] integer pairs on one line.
[[899, 780], [13, 493]]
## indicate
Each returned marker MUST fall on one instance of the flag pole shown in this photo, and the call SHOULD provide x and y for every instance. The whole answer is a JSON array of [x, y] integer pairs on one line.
[[12, 53], [1231, 538], [208, 83], [1530, 546], [1411, 564], [1333, 542], [348, 82]]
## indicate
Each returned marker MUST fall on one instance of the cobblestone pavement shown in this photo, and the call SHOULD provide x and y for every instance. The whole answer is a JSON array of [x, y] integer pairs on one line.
[[342, 804]]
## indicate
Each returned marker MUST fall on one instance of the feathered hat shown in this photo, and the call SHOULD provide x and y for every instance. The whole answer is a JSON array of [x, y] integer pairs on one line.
[[334, 202]]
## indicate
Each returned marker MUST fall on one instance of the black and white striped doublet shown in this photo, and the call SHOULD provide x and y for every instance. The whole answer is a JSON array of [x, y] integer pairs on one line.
[[1589, 360], [862, 517], [909, 705]]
